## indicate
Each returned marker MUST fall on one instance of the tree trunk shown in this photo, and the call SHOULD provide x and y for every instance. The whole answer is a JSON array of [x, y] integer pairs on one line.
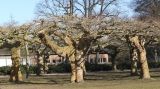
[[114, 65], [97, 58], [144, 65], [134, 60], [77, 72], [16, 74], [27, 59], [77, 68], [155, 55], [74, 55], [38, 65], [139, 44]]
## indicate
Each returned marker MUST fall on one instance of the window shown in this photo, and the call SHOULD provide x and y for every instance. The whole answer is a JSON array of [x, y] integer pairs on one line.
[[53, 61], [104, 59], [91, 60]]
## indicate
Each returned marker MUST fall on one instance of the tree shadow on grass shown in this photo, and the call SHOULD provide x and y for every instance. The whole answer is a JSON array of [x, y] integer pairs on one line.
[[110, 76], [36, 83]]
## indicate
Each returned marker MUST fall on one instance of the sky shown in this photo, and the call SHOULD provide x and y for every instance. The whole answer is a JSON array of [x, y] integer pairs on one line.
[[126, 8], [19, 10], [24, 10]]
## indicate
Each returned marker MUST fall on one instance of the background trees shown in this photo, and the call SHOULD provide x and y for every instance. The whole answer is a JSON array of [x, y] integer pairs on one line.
[[148, 8], [82, 8], [71, 27]]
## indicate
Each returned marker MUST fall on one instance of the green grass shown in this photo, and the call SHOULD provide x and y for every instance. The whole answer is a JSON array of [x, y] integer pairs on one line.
[[97, 80]]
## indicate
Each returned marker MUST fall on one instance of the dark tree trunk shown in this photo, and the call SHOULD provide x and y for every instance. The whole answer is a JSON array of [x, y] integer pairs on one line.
[[114, 65], [134, 61]]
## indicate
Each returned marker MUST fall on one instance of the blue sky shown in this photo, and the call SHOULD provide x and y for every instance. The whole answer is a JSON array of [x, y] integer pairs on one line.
[[24, 10], [20, 10]]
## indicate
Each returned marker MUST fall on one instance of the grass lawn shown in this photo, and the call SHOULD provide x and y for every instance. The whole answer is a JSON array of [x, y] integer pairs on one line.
[[97, 80]]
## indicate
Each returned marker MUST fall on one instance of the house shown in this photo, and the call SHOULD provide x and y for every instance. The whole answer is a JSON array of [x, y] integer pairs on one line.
[[5, 57], [55, 59], [99, 56], [102, 58]]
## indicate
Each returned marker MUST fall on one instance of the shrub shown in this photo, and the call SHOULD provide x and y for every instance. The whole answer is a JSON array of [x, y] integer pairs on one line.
[[98, 67], [154, 64], [5, 70], [60, 68]]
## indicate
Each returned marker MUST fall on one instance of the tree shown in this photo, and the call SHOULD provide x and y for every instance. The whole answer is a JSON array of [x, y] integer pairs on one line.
[[140, 34], [148, 8], [9, 40], [133, 56], [82, 8], [71, 37], [14, 37]]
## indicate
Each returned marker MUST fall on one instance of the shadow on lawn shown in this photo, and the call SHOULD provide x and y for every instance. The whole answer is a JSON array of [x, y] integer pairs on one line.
[[110, 76]]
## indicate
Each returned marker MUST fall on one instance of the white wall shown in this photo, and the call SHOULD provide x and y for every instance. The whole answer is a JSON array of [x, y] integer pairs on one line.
[[5, 61]]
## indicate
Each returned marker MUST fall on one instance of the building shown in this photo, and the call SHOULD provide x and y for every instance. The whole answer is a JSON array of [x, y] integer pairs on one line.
[[55, 59], [102, 58], [5, 57]]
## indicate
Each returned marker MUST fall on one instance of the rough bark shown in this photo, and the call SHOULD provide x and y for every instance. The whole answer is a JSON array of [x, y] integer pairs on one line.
[[144, 65], [70, 50], [133, 56], [76, 73], [134, 60], [16, 74], [114, 65], [139, 44]]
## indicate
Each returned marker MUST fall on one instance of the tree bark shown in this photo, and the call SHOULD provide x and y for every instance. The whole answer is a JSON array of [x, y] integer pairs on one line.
[[133, 56], [139, 44], [134, 60], [114, 65], [77, 72], [70, 50], [144, 65], [39, 64], [77, 67], [16, 74]]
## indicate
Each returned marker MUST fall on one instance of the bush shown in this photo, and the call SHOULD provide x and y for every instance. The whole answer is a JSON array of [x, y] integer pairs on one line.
[[5, 70], [60, 68], [154, 64], [32, 69], [98, 67], [124, 65]]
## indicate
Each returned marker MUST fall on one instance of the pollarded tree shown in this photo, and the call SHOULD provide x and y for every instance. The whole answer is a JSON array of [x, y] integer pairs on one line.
[[139, 35], [71, 37], [9, 40], [14, 38]]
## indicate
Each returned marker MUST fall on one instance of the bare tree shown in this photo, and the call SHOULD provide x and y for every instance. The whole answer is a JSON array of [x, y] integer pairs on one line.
[[140, 35], [148, 8], [83, 8], [71, 37], [15, 37]]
